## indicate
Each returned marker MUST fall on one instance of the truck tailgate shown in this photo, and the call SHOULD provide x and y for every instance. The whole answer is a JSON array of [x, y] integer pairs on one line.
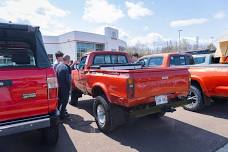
[[154, 82]]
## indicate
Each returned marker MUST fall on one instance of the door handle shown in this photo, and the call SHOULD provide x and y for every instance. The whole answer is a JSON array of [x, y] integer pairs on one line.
[[6, 83]]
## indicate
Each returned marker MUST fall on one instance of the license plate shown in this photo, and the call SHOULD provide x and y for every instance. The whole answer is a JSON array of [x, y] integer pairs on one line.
[[161, 99]]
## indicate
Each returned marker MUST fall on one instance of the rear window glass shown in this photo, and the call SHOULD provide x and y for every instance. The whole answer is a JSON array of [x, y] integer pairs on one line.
[[177, 61], [199, 60], [109, 59], [155, 61], [12, 56]]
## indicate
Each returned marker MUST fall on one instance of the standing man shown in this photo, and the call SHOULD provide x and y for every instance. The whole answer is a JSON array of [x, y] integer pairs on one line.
[[59, 59], [64, 81]]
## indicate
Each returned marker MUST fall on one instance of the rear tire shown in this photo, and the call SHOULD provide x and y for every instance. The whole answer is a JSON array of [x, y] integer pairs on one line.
[[74, 98], [107, 116], [50, 135], [197, 96]]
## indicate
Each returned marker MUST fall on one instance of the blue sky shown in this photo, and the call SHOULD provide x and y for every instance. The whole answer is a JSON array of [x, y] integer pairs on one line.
[[142, 21]]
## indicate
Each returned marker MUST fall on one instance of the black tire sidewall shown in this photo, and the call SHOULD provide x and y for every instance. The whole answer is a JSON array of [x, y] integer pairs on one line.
[[100, 100], [74, 98], [196, 90]]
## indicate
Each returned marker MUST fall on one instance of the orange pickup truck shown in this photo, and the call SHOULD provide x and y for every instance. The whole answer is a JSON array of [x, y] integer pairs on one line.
[[207, 81], [122, 89]]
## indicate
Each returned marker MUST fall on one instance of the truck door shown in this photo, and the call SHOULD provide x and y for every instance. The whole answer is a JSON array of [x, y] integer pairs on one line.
[[82, 74], [23, 87]]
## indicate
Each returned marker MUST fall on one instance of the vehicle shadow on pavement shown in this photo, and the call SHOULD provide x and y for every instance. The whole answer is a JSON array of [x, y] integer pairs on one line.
[[76, 122], [31, 141], [162, 135], [86, 105], [167, 134], [217, 110]]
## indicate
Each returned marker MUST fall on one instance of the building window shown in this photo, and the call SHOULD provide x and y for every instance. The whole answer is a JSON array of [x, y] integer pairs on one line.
[[114, 35], [51, 58], [82, 48], [99, 47], [122, 48]]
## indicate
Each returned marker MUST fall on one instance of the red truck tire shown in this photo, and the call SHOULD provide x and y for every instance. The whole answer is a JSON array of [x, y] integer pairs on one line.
[[196, 94], [107, 116], [75, 94]]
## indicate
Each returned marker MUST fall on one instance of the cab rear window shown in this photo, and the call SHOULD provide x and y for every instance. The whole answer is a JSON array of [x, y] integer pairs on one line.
[[109, 59], [155, 61], [16, 56], [199, 60]]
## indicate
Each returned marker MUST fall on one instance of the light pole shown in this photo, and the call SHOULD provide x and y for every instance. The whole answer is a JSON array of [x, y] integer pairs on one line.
[[179, 34]]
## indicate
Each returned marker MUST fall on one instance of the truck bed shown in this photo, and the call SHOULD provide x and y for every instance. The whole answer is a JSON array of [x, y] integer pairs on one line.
[[148, 83]]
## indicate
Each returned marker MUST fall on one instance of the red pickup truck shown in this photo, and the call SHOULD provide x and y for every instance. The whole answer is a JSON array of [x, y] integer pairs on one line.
[[207, 81], [28, 85], [122, 89]]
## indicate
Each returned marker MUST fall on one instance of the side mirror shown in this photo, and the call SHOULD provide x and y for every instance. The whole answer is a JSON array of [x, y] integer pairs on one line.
[[143, 63]]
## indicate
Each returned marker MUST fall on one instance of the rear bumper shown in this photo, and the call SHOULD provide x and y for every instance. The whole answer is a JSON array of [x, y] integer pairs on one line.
[[147, 109], [18, 126]]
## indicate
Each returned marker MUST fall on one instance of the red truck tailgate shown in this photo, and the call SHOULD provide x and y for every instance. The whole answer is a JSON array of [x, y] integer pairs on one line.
[[154, 82], [23, 93]]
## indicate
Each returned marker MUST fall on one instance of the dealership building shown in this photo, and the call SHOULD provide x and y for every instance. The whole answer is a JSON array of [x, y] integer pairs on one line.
[[77, 43]]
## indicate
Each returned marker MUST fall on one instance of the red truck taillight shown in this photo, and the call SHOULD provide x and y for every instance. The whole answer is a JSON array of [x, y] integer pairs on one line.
[[130, 88], [52, 87]]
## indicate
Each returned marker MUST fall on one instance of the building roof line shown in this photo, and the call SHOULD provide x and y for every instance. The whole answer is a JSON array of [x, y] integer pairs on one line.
[[72, 41], [75, 32]]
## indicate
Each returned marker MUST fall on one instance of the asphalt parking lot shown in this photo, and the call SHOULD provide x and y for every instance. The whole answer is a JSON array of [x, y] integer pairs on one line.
[[176, 132]]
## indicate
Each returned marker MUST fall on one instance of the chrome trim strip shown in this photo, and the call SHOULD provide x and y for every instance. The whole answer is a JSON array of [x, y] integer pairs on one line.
[[24, 126]]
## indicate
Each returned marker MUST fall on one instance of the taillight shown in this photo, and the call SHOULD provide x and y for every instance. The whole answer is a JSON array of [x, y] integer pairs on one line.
[[130, 88], [52, 87]]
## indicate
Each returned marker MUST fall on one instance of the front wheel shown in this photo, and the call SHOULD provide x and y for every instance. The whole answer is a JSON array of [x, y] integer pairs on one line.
[[74, 98], [196, 96]]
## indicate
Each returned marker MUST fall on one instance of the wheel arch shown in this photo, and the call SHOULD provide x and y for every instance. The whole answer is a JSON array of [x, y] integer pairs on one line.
[[100, 90], [198, 83]]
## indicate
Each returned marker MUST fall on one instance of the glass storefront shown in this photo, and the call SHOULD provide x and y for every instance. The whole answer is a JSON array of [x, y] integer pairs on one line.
[[83, 47]]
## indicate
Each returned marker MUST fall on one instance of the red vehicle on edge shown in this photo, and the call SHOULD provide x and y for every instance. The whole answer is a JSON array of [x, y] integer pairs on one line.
[[208, 82], [122, 89], [28, 85]]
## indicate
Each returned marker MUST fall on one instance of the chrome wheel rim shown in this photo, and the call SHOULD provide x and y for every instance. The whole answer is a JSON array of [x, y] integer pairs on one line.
[[101, 118], [195, 99]]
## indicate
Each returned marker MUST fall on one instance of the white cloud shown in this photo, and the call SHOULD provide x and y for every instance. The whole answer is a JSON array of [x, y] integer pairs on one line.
[[150, 40], [39, 13], [100, 11], [188, 22], [219, 15], [136, 10]]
